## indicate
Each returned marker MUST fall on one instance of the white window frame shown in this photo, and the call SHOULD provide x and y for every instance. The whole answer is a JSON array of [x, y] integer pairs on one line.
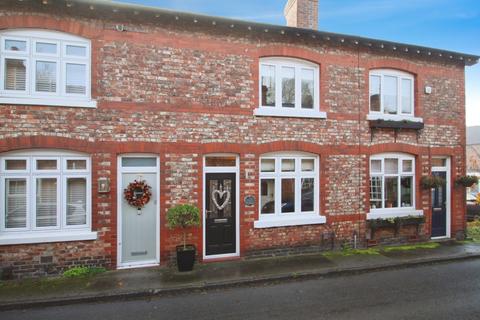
[[33, 80], [46, 55], [17, 93], [33, 201], [3, 205], [61, 232], [383, 212], [399, 75], [297, 111], [32, 97], [278, 219]]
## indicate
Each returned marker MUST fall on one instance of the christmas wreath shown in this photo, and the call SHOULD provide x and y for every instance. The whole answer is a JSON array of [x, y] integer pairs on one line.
[[137, 193]]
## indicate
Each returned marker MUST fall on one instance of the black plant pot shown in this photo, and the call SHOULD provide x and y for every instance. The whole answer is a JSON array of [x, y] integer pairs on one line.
[[185, 258]]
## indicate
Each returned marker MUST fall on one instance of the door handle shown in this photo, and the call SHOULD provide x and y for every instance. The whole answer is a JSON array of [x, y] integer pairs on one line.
[[220, 220], [437, 209]]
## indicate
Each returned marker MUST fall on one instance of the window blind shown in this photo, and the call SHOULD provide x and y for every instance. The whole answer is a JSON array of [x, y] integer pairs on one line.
[[15, 74], [46, 202], [76, 201], [46, 76], [16, 204], [76, 78]]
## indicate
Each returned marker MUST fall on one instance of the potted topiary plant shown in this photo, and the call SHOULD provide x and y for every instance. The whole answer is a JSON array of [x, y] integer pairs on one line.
[[184, 216]]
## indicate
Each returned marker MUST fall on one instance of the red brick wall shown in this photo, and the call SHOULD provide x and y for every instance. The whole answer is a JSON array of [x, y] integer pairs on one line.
[[181, 93]]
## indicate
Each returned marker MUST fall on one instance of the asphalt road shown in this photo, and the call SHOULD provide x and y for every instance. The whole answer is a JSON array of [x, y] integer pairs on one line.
[[443, 291]]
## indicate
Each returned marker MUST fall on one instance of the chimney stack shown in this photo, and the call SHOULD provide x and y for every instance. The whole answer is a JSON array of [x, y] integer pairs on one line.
[[302, 14]]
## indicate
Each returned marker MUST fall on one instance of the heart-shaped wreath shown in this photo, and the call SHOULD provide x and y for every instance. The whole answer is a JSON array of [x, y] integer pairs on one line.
[[137, 193]]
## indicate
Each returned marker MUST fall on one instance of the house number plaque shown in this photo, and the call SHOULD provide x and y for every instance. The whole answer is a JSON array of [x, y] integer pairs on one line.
[[249, 201]]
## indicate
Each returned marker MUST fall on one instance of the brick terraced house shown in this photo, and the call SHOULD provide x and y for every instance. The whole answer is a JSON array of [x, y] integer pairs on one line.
[[288, 139]]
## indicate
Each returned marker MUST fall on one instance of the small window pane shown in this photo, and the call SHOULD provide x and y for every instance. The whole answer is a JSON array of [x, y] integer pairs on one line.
[[46, 202], [288, 87], [47, 164], [76, 78], [47, 48], [375, 192], [76, 201], [439, 162], [225, 161], [391, 166], [307, 194], [307, 88], [308, 165], [76, 164], [139, 162], [406, 191], [267, 196], [288, 165], [375, 82], [267, 165], [46, 76], [375, 166], [288, 195], [268, 85], [15, 164], [15, 74], [15, 203], [390, 94], [406, 96], [391, 192], [79, 51], [407, 165], [15, 45]]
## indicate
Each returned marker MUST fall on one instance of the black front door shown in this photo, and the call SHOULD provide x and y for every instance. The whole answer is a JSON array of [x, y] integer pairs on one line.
[[439, 207], [220, 206]]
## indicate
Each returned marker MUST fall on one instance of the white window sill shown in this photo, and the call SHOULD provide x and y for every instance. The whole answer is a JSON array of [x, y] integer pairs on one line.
[[45, 237], [393, 117], [288, 113], [298, 220], [50, 101], [393, 213]]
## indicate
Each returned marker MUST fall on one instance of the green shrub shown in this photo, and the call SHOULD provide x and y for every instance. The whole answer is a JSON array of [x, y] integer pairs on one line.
[[428, 182], [82, 271], [183, 216], [466, 181]]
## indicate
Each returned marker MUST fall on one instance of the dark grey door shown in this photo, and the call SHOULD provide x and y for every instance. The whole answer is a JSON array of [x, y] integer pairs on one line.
[[439, 207], [220, 237]]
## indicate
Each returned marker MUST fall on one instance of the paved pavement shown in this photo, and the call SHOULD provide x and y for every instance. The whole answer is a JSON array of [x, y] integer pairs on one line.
[[441, 291], [144, 283]]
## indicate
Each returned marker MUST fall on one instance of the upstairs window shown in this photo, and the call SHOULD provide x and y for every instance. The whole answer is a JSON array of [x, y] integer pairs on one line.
[[391, 93], [289, 87], [44, 67]]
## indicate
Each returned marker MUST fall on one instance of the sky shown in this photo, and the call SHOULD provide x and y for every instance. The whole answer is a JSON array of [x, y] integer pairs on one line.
[[444, 24]]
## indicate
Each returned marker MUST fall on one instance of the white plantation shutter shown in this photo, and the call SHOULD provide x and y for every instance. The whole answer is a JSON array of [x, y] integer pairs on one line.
[[16, 203], [46, 76], [46, 202], [15, 74], [76, 201], [44, 193], [76, 76]]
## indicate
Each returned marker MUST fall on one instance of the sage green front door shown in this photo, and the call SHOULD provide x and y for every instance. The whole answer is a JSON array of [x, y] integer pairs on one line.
[[139, 227]]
